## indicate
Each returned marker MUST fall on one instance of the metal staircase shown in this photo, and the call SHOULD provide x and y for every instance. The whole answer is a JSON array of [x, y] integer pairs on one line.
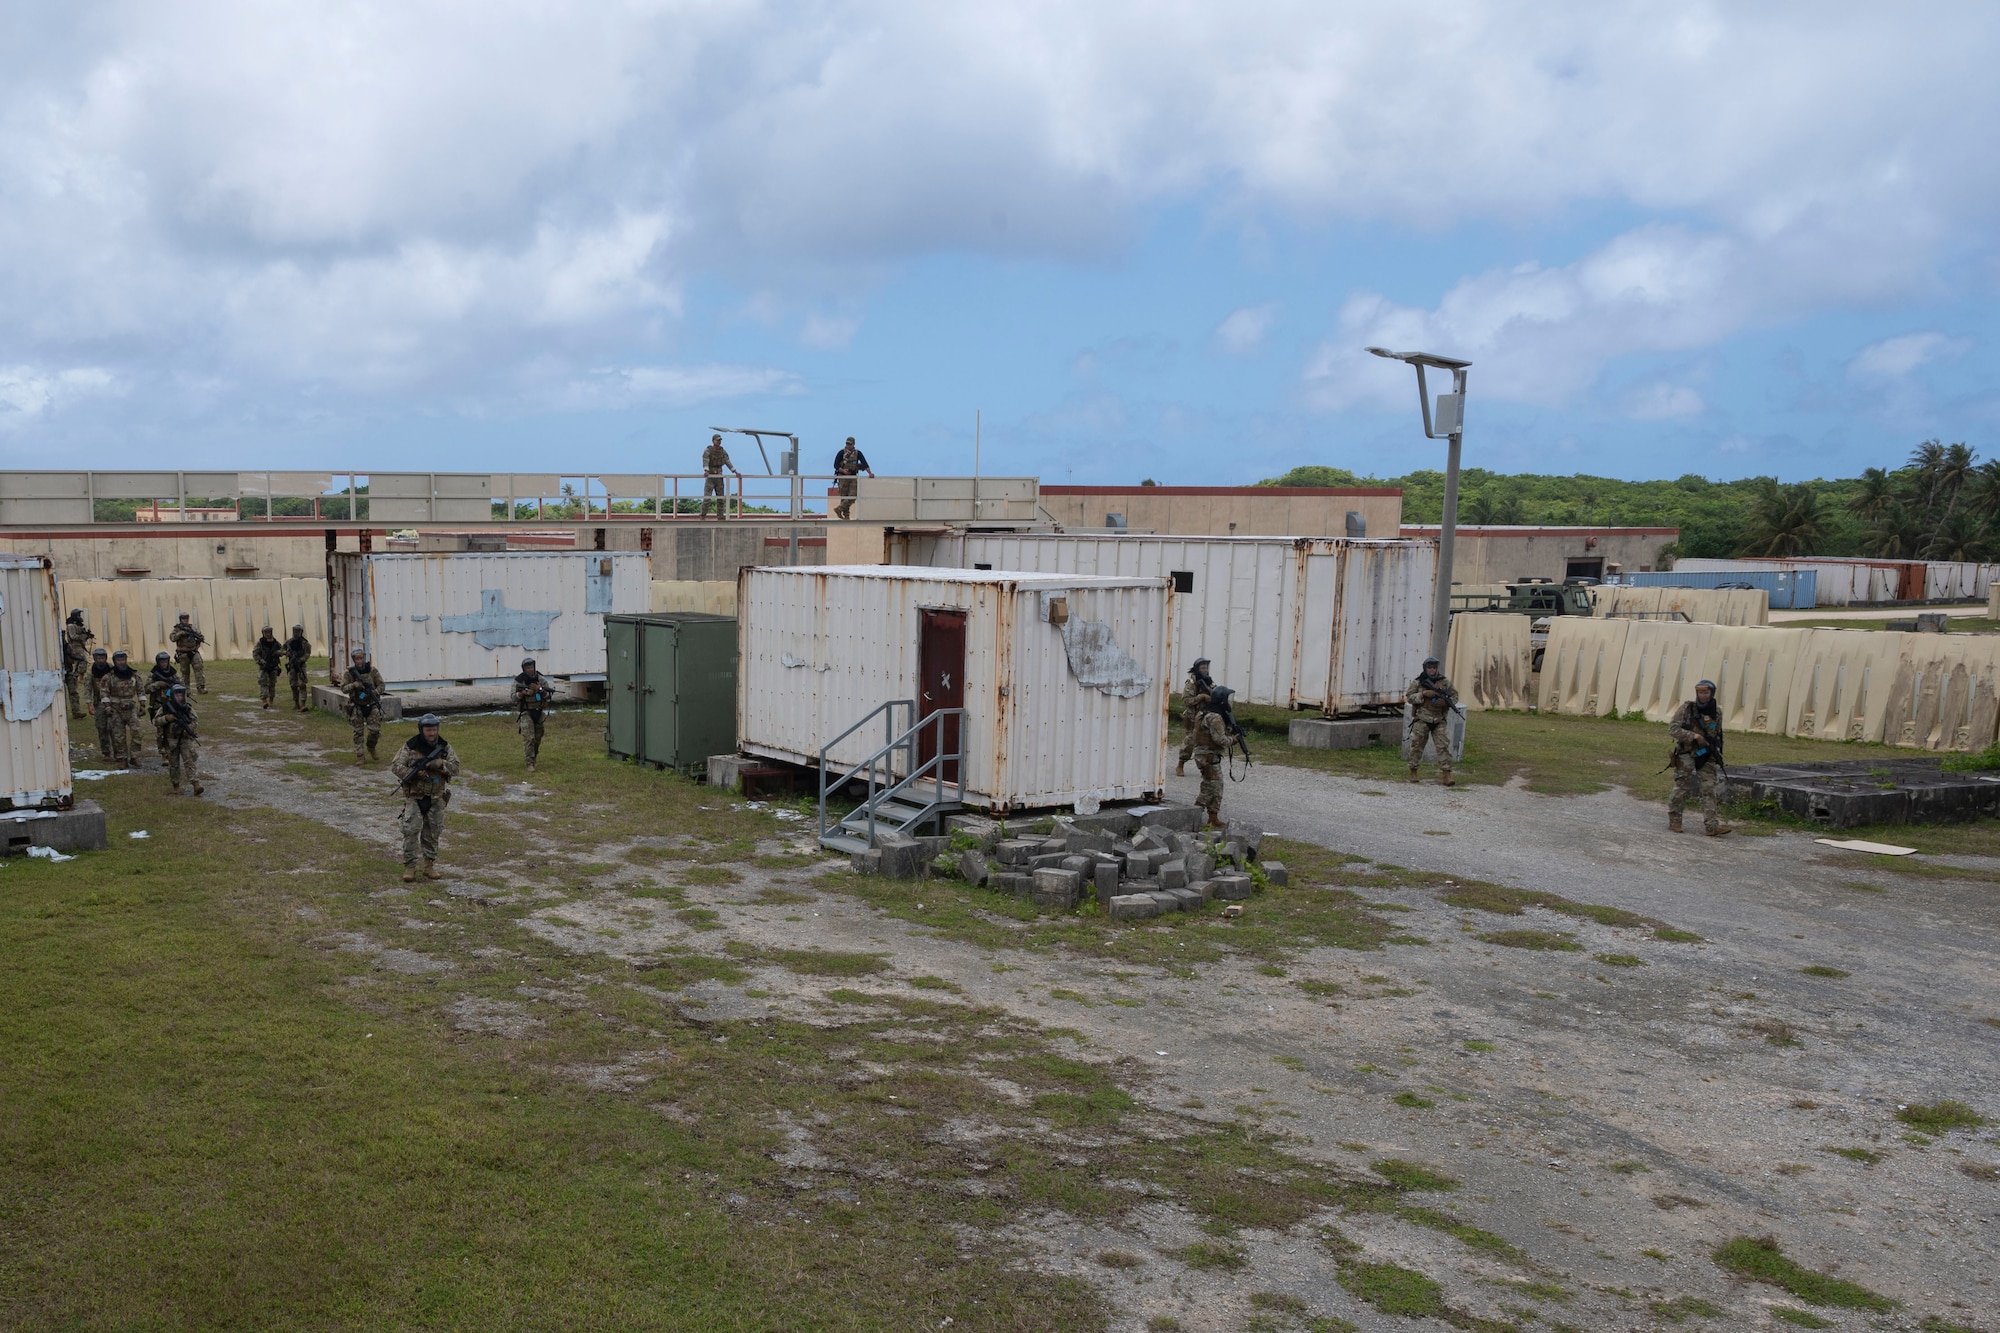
[[895, 804]]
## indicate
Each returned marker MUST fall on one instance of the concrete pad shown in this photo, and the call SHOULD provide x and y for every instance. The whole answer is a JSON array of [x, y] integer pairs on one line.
[[329, 700], [77, 829], [725, 770], [1344, 733]]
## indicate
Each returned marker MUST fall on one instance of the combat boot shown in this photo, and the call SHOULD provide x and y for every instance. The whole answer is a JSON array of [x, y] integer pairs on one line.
[[174, 790], [359, 761], [531, 765], [199, 789], [409, 874], [1674, 822], [1718, 830], [371, 749], [1413, 774], [1444, 778], [431, 870], [1180, 769]]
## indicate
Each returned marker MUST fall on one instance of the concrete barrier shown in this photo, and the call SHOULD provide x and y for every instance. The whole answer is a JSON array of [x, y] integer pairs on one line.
[[138, 615], [1580, 665], [1491, 658], [304, 602], [1661, 662], [1844, 683], [716, 597], [1943, 694], [1753, 667]]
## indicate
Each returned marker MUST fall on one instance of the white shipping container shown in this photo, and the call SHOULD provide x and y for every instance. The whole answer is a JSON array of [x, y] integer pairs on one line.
[[821, 647], [1332, 623], [426, 617], [34, 760]]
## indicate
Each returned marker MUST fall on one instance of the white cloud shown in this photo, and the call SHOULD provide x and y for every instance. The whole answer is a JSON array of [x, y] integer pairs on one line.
[[1664, 402], [418, 197], [30, 392], [1244, 330], [673, 386], [1893, 358], [829, 333]]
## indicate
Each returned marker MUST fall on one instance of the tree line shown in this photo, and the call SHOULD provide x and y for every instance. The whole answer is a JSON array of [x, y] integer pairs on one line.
[[1942, 504]]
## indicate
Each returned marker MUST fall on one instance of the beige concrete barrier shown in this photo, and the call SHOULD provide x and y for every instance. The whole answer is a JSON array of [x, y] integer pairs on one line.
[[1491, 657], [1619, 600], [1752, 668], [1580, 665], [1719, 606], [716, 597], [1942, 697], [138, 615], [1993, 602], [1662, 661], [1843, 684]]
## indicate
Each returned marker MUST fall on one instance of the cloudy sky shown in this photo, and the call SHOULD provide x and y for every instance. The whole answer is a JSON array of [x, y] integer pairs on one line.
[[1144, 239]]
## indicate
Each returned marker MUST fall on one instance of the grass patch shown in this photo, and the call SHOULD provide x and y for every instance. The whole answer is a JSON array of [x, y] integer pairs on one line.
[[935, 983], [1540, 941], [1758, 1259], [1774, 1030], [1504, 901], [1119, 1259], [1980, 1171], [1277, 1300], [1476, 1045], [1792, 1314], [1628, 1168], [711, 875], [816, 962], [1669, 935], [1319, 990], [1822, 970], [1683, 1308], [1412, 1175], [1861, 1155], [1211, 1255], [1941, 1117], [1393, 1289], [689, 969], [1464, 1232], [1619, 959], [1412, 1101]]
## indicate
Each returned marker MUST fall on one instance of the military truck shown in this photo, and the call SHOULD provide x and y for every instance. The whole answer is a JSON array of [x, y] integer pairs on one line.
[[1542, 599]]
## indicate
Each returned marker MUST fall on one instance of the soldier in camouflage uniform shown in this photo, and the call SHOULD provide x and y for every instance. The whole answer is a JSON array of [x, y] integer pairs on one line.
[[164, 678], [1432, 697], [298, 667], [119, 688], [269, 655], [1211, 747], [533, 693], [187, 652], [1194, 693], [363, 687], [848, 465], [100, 667], [1696, 727], [425, 766], [76, 659], [713, 460], [179, 749]]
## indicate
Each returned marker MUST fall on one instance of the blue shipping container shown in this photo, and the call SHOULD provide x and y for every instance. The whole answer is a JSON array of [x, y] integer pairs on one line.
[[1790, 589]]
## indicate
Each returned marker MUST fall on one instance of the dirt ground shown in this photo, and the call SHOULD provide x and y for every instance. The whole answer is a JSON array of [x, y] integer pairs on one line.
[[1611, 1109]]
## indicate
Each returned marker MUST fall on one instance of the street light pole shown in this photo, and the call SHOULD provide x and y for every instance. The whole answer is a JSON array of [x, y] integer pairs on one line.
[[1448, 425]]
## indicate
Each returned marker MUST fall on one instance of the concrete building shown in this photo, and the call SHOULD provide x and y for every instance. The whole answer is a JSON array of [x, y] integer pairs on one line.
[[1505, 554], [1228, 511]]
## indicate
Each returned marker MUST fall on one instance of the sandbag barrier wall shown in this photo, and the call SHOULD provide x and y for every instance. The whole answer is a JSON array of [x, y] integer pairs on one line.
[[138, 615], [1924, 691]]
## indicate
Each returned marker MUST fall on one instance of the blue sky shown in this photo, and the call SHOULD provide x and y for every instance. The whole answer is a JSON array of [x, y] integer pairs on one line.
[[1142, 240]]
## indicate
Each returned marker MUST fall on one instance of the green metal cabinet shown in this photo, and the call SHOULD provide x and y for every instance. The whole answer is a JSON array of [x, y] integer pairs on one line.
[[670, 688]]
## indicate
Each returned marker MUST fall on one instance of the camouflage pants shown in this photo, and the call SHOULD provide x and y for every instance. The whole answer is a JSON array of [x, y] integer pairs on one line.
[[122, 721], [181, 754], [847, 486], [1704, 784], [189, 665], [421, 829], [267, 685], [301, 687], [1210, 796], [367, 723], [713, 486], [73, 678], [1437, 734], [530, 727], [1188, 722], [101, 715]]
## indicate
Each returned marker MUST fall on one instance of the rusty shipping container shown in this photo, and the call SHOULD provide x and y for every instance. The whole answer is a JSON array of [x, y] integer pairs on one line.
[[35, 755], [1328, 623], [426, 617], [1066, 680]]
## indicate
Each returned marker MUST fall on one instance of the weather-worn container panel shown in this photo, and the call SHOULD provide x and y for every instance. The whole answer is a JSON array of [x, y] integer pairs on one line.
[[473, 615], [670, 688], [34, 754], [1294, 622], [1054, 712]]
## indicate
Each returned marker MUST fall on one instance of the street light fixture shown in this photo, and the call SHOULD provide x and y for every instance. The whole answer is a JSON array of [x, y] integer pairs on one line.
[[1446, 423]]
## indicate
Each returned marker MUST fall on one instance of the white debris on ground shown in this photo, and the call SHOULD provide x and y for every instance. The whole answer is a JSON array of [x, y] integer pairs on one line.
[[98, 774], [49, 854], [137, 833]]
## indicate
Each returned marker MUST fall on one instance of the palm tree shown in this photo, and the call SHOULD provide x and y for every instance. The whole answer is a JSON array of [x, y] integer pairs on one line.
[[1927, 461], [1959, 537], [1874, 495], [1953, 470], [1784, 520], [1982, 491], [1897, 534], [1479, 509]]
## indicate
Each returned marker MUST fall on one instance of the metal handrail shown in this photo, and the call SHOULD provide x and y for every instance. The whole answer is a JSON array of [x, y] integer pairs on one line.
[[881, 760]]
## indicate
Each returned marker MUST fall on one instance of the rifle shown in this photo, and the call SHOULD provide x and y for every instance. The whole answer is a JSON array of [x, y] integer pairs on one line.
[[180, 720], [360, 694], [535, 699], [417, 770], [1238, 740]]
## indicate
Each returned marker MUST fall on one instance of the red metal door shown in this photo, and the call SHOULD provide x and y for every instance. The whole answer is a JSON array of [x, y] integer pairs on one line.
[[941, 682]]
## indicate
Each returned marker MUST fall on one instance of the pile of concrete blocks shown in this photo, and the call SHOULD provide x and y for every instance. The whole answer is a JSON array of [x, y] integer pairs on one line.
[[1136, 863]]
